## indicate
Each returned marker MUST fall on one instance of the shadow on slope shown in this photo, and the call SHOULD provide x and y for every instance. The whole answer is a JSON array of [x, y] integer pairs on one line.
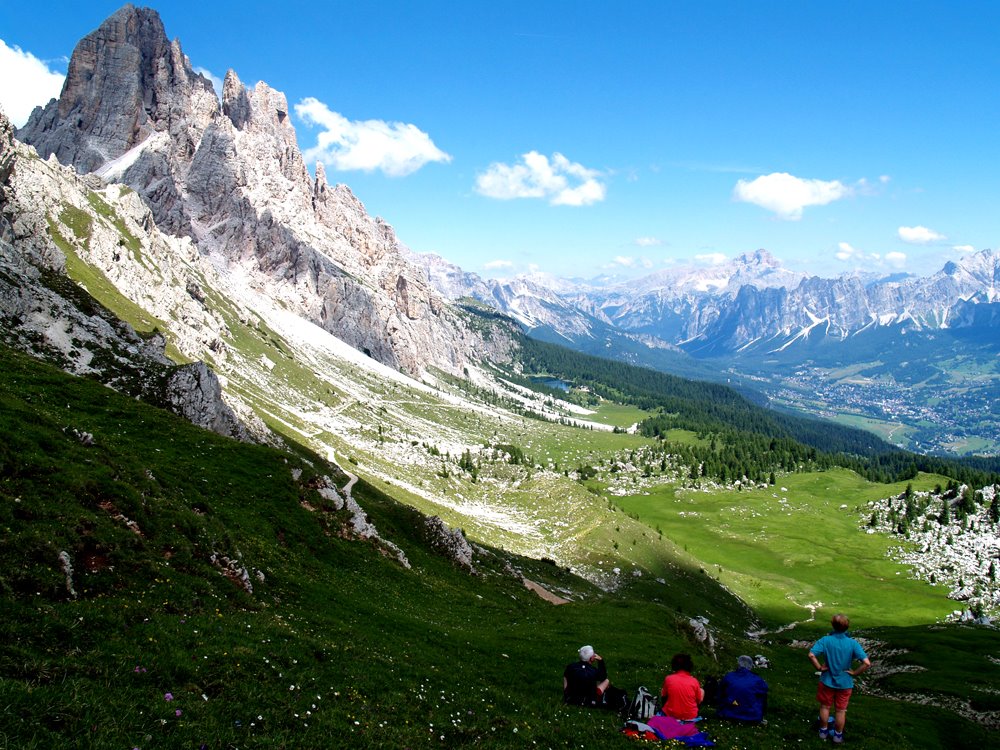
[[156, 644]]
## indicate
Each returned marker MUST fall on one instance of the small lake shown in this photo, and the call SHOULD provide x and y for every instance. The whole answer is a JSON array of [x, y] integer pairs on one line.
[[556, 383]]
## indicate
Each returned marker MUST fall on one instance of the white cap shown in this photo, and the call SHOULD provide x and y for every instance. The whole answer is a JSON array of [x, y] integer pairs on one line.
[[586, 653]]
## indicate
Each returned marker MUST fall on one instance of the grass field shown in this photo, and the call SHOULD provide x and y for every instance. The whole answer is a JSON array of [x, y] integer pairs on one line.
[[338, 645], [618, 415], [795, 544]]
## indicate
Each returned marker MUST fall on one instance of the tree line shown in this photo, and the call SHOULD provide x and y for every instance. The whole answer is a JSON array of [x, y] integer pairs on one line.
[[750, 439]]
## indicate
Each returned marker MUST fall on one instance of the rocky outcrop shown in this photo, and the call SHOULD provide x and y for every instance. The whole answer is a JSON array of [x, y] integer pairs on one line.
[[194, 392], [449, 542], [361, 526], [51, 215], [230, 176]]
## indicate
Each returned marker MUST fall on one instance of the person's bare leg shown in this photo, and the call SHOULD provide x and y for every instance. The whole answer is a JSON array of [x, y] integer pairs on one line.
[[824, 716], [602, 686], [840, 718]]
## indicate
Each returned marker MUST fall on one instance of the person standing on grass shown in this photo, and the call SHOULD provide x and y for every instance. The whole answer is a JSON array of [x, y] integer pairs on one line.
[[836, 680], [681, 692]]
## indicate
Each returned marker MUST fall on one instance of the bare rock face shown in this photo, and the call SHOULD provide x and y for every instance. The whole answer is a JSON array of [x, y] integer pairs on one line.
[[48, 213], [194, 392], [231, 177], [449, 542], [127, 84]]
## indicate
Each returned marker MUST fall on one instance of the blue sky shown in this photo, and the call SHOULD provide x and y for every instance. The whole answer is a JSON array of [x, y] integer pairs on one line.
[[580, 138]]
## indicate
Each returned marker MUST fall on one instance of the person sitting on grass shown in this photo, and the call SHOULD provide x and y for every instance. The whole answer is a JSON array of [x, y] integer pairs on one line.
[[586, 683], [742, 694], [681, 692]]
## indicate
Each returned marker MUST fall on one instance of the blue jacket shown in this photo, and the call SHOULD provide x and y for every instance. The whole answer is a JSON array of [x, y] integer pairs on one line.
[[742, 696]]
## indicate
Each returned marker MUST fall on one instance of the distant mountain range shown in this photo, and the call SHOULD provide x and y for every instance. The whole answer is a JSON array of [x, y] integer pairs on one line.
[[750, 304], [914, 359]]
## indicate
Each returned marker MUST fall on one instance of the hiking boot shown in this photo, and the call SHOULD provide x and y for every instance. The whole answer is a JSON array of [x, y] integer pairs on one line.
[[838, 737]]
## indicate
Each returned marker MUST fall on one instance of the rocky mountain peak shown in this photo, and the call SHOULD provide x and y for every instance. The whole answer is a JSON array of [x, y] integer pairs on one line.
[[126, 81], [235, 102], [758, 258], [229, 175]]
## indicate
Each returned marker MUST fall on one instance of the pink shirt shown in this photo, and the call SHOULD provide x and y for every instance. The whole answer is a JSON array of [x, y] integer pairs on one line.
[[683, 695]]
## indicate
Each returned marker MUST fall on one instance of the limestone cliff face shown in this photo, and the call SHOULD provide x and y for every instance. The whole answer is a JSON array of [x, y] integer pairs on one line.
[[231, 177], [126, 86]]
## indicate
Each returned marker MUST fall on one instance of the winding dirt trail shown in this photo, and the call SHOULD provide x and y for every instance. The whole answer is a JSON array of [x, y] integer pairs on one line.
[[543, 592]]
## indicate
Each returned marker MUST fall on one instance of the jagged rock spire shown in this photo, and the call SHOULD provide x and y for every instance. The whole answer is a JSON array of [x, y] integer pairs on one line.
[[125, 82], [230, 176]]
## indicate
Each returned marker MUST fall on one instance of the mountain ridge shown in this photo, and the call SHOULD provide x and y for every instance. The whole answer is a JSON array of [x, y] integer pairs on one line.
[[742, 303], [230, 176]]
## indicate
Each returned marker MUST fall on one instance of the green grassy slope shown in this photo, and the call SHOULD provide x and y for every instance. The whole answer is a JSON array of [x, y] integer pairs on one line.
[[795, 544], [338, 645]]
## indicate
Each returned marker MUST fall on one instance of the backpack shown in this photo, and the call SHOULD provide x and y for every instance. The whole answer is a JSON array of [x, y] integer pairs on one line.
[[642, 707]]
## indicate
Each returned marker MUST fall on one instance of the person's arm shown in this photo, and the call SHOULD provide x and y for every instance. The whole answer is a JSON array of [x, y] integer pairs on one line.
[[602, 669], [815, 661], [866, 664], [701, 694]]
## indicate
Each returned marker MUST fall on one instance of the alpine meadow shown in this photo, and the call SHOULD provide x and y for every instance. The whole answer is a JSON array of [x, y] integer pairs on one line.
[[271, 478]]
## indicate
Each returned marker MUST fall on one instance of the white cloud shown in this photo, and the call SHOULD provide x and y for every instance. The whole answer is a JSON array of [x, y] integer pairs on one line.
[[493, 265], [964, 249], [26, 83], [629, 262], [711, 259], [786, 195], [846, 252], [919, 235], [560, 181], [896, 259], [216, 81], [648, 241], [395, 148]]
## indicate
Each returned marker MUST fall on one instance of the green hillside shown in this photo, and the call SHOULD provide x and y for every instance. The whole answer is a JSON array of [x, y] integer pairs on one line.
[[337, 644]]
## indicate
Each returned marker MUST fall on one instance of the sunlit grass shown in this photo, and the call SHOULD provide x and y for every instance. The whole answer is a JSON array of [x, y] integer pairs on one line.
[[795, 544], [337, 645]]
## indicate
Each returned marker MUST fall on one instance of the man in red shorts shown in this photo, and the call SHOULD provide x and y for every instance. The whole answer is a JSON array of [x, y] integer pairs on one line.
[[836, 680]]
